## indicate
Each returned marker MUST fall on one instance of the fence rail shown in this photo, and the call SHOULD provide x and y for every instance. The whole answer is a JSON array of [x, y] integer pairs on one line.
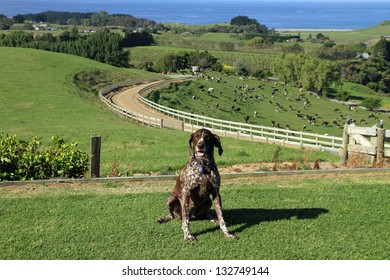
[[190, 122], [373, 142]]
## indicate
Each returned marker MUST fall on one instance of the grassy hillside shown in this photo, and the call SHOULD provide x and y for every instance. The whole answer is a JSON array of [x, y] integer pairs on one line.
[[39, 97], [282, 107], [367, 35]]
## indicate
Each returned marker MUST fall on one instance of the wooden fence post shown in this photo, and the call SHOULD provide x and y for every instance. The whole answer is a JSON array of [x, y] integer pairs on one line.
[[344, 156], [380, 152], [95, 156]]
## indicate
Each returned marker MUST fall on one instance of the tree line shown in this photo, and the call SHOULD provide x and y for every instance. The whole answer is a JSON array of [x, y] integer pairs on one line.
[[239, 24], [100, 19], [103, 46], [373, 72], [176, 62], [308, 72]]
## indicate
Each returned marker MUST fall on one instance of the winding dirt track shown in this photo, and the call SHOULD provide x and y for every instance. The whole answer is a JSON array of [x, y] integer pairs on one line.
[[128, 99]]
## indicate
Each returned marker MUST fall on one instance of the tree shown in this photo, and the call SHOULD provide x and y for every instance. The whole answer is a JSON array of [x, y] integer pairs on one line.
[[72, 21], [241, 67], [320, 36], [203, 59], [326, 73], [99, 19], [371, 103], [174, 62], [343, 95], [5, 23], [18, 18], [169, 63], [309, 72], [288, 68], [307, 76], [256, 42], [133, 39], [87, 22], [106, 47], [382, 49], [242, 24], [243, 20]]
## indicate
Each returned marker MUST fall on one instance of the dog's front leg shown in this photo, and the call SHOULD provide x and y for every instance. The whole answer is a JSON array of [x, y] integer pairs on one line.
[[218, 210], [185, 217]]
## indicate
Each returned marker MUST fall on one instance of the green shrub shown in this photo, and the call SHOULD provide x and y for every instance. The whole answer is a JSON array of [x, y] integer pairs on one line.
[[343, 95], [22, 160], [372, 103]]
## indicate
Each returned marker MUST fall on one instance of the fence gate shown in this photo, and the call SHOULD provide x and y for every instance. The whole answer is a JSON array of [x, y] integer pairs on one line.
[[373, 142]]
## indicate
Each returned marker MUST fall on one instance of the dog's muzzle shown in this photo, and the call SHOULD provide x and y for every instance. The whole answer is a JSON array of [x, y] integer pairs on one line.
[[200, 152]]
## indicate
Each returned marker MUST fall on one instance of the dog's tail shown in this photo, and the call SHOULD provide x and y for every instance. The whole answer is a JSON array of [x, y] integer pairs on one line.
[[165, 219]]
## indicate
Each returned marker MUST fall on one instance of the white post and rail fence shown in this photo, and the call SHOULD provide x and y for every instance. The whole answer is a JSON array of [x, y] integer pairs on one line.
[[377, 147]]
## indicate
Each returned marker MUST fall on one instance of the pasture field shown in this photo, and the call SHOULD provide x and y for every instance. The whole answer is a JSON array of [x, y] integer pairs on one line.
[[367, 35], [315, 217], [261, 59], [281, 108], [210, 40], [39, 97], [254, 58]]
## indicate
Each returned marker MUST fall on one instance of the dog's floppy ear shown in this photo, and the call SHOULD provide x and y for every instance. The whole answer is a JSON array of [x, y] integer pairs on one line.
[[190, 146], [217, 143]]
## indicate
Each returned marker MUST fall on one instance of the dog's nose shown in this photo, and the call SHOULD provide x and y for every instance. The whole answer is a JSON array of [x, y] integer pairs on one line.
[[200, 143]]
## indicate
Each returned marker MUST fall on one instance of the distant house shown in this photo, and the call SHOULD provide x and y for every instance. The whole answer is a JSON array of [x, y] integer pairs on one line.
[[87, 31], [43, 27], [362, 56], [196, 69], [293, 40]]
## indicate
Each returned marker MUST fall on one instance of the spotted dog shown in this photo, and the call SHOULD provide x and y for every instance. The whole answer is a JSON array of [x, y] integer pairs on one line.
[[190, 198]]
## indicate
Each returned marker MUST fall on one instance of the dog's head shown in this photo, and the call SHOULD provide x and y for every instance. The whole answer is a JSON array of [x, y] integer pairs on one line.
[[202, 142]]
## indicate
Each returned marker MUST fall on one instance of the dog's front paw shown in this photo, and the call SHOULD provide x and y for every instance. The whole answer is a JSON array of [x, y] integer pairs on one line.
[[231, 236], [189, 237]]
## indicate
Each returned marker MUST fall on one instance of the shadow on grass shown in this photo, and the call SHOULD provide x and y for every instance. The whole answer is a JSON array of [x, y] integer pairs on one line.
[[246, 217]]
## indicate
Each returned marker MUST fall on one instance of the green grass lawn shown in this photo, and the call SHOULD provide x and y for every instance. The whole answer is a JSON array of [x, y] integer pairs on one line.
[[294, 217]]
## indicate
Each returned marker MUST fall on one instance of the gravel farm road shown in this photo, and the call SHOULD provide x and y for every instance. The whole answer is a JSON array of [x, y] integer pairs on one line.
[[128, 99]]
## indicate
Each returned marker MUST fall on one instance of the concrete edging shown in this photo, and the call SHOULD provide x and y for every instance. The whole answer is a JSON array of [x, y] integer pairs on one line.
[[233, 175]]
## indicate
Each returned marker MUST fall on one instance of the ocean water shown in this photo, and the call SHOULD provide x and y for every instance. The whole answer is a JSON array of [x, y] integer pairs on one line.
[[274, 14]]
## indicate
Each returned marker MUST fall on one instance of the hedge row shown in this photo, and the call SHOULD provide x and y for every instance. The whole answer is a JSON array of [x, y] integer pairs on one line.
[[29, 160]]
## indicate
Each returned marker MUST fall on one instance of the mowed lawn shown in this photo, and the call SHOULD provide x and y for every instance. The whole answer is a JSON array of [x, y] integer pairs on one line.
[[289, 217]]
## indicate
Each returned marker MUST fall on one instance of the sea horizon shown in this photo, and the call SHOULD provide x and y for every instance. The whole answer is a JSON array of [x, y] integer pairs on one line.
[[296, 15]]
